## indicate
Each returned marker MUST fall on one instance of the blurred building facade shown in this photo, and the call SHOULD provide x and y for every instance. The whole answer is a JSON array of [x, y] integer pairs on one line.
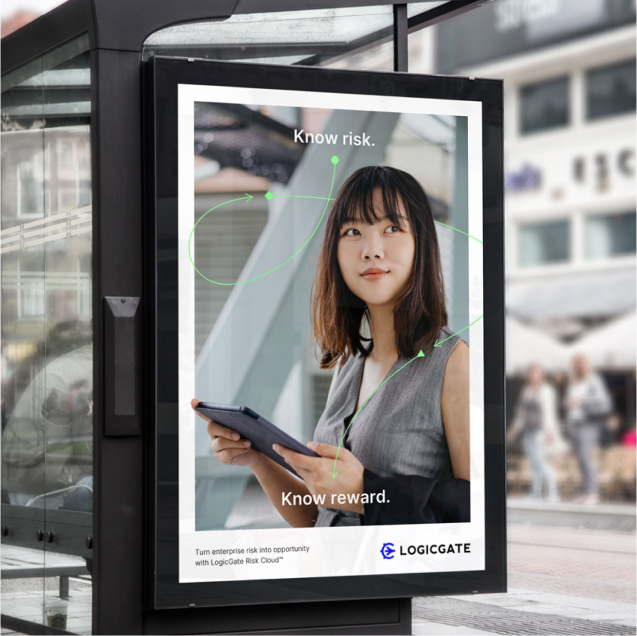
[[569, 76]]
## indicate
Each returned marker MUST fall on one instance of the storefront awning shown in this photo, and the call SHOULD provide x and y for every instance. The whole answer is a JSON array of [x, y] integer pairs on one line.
[[526, 345], [612, 346], [581, 295]]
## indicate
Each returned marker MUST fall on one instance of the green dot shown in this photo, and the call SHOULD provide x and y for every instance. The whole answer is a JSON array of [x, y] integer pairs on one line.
[[334, 160], [268, 195]]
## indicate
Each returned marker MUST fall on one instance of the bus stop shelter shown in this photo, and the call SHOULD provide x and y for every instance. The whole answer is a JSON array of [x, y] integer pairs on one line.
[[75, 191]]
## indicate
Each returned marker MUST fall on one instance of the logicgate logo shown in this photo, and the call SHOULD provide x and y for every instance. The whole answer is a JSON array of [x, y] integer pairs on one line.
[[387, 550]]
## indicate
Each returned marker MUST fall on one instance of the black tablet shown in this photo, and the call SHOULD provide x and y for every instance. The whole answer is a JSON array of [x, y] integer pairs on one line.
[[257, 429]]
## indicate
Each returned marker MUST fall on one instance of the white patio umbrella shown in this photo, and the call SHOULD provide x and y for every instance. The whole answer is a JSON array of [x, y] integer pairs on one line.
[[526, 345], [612, 346]]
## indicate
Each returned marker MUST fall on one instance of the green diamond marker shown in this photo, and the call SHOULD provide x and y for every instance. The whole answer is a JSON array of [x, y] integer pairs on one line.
[[268, 196]]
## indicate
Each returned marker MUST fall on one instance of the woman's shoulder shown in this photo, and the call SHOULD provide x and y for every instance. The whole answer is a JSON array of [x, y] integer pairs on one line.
[[447, 343], [455, 383], [458, 357]]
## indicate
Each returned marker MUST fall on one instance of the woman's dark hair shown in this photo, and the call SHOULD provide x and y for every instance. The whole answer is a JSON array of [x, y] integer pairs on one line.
[[420, 310]]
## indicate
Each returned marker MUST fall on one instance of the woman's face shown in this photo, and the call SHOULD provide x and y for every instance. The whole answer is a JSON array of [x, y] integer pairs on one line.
[[536, 375], [581, 366], [376, 260]]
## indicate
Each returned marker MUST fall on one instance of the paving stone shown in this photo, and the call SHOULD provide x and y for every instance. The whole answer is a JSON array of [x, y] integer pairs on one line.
[[560, 580]]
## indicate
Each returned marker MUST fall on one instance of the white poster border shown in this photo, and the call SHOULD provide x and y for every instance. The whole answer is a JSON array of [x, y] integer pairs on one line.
[[330, 551]]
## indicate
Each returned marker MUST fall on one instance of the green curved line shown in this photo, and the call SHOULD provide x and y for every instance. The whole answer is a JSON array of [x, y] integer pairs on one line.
[[245, 198], [420, 355], [438, 343], [249, 280], [300, 196], [461, 232]]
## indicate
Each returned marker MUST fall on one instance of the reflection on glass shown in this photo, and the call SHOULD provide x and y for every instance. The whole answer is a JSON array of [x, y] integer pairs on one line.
[[544, 243], [544, 105], [47, 341]]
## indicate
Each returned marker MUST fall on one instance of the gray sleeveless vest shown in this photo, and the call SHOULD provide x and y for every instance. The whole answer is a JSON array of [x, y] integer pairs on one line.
[[399, 431]]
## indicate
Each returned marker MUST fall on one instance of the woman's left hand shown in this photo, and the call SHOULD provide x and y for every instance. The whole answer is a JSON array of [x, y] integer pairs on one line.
[[342, 487]]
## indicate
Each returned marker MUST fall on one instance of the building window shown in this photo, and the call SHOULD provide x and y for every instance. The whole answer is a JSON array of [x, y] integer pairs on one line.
[[610, 90], [608, 235], [544, 105], [544, 243]]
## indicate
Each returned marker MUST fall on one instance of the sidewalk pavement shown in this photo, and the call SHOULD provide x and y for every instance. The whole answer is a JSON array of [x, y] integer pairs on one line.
[[571, 570]]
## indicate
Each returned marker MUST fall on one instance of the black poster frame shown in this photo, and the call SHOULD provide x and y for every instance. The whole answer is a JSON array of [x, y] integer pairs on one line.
[[162, 76]]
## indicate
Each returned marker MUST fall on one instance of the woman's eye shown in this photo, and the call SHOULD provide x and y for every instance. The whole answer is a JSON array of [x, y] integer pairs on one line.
[[352, 232], [392, 229]]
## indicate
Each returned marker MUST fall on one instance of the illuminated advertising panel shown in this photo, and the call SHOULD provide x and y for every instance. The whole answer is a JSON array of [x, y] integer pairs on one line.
[[322, 270]]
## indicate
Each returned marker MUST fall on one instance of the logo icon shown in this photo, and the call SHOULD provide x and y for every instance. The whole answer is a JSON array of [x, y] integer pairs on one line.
[[387, 550]]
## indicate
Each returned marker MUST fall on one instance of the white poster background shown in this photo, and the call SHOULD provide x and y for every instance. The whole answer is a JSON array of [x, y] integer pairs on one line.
[[339, 551]]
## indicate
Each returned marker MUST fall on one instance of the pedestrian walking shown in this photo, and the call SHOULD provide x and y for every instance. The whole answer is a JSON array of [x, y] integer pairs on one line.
[[587, 405], [536, 422]]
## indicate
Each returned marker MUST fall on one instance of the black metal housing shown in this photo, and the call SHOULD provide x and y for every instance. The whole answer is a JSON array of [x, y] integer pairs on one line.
[[165, 74], [122, 396]]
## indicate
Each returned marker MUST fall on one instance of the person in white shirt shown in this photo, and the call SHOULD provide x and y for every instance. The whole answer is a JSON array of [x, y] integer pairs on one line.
[[536, 422]]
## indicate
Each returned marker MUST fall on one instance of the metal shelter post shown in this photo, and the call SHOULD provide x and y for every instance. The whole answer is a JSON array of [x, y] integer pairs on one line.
[[401, 41]]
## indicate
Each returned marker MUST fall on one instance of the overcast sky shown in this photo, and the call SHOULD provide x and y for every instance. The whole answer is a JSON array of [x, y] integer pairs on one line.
[[7, 7]]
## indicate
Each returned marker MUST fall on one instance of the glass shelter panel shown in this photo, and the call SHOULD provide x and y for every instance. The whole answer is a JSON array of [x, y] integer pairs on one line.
[[311, 37], [47, 341]]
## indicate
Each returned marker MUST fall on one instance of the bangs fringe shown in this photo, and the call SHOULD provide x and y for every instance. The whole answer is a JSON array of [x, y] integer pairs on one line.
[[361, 192]]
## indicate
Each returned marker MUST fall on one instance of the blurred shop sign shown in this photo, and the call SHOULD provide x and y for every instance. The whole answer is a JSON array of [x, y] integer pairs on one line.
[[527, 177], [599, 167], [573, 174], [510, 27]]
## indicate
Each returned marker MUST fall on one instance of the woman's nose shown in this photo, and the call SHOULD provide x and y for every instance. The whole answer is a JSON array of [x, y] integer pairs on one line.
[[373, 249]]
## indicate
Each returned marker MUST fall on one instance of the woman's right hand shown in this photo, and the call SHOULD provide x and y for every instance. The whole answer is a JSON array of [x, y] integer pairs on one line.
[[227, 445]]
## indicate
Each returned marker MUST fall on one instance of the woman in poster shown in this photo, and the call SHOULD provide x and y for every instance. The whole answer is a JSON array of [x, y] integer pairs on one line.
[[406, 453]]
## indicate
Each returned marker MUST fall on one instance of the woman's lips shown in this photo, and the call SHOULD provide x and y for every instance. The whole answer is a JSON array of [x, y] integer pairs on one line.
[[373, 273]]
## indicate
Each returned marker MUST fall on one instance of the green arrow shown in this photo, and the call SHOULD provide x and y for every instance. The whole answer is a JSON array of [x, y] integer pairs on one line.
[[438, 344], [335, 472], [457, 230], [269, 196], [248, 197]]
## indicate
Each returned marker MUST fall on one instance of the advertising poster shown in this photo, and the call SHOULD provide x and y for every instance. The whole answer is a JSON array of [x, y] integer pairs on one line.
[[331, 283]]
